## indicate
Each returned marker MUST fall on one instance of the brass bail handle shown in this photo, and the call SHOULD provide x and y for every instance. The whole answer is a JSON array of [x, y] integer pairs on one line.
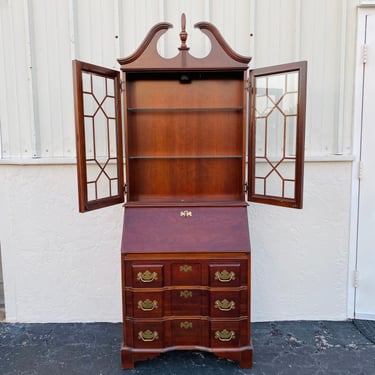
[[186, 213]]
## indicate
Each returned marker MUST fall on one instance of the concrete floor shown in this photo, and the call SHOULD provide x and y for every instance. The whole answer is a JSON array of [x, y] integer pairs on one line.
[[303, 348]]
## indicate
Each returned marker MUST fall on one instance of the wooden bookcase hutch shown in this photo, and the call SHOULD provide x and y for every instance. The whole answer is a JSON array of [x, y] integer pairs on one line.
[[185, 252]]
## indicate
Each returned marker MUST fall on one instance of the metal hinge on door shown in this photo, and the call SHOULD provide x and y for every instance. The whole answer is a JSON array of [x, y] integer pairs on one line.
[[364, 53], [360, 170], [247, 84], [356, 279]]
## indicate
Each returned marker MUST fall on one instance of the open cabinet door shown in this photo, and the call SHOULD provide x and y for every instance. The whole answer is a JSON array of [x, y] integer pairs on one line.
[[277, 134], [98, 136]]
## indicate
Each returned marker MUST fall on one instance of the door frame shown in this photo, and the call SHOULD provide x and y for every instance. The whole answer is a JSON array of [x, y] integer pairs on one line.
[[357, 130]]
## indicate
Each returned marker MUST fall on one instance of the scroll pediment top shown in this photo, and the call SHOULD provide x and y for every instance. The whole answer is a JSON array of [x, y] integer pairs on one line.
[[221, 55]]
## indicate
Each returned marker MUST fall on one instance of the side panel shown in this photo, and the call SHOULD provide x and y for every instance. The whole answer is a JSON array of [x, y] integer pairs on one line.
[[277, 134], [98, 136]]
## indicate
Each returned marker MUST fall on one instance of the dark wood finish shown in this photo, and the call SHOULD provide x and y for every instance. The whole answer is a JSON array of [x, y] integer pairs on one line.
[[82, 114], [274, 104], [195, 301], [186, 247], [185, 253]]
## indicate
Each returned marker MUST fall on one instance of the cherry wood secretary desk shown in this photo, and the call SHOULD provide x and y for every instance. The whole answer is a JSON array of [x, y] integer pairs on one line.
[[188, 125]]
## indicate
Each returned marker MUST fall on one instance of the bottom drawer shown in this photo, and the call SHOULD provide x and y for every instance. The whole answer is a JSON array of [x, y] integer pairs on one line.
[[148, 334], [225, 334]]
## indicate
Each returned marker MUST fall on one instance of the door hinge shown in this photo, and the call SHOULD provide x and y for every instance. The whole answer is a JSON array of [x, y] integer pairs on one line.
[[356, 279], [360, 170], [248, 84], [122, 85], [245, 187], [364, 53], [125, 189]]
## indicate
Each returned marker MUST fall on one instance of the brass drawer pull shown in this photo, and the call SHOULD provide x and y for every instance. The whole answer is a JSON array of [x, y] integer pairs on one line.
[[148, 335], [147, 276], [186, 294], [225, 305], [186, 213], [225, 335], [147, 305], [186, 325], [186, 268], [225, 276]]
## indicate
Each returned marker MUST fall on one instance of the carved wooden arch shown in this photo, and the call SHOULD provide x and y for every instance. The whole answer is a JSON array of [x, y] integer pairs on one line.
[[221, 56]]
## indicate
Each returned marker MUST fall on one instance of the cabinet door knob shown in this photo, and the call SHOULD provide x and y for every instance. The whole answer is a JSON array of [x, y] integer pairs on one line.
[[225, 276], [147, 276], [225, 305], [225, 335], [147, 305], [148, 335]]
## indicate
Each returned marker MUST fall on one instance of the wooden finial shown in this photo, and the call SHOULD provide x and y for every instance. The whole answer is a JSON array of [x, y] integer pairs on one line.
[[183, 33]]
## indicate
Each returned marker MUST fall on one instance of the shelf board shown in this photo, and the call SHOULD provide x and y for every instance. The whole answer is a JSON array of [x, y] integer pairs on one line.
[[186, 109], [186, 157]]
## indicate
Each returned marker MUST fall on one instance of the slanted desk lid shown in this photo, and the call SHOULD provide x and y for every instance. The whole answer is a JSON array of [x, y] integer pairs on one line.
[[191, 229]]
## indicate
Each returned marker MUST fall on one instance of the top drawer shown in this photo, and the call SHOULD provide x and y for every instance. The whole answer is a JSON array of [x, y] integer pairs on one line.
[[226, 274], [146, 276]]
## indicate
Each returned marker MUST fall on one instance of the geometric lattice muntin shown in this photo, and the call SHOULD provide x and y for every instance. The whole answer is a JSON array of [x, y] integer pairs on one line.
[[99, 113], [276, 110]]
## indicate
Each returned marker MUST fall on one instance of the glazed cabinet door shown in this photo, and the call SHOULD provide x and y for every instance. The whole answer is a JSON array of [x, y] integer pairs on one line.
[[98, 136], [276, 134]]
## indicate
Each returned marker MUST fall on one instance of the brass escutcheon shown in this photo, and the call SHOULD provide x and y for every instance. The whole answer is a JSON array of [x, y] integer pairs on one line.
[[148, 335], [186, 294], [147, 305], [186, 325], [225, 305], [147, 276], [186, 268], [225, 276], [186, 213], [225, 335]]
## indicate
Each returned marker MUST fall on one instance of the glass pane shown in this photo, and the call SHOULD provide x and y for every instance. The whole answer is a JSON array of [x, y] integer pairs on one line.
[[99, 139], [260, 141], [99, 87], [274, 130], [275, 136]]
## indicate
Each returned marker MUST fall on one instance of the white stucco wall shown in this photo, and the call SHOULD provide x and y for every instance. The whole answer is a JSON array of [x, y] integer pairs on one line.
[[62, 266]]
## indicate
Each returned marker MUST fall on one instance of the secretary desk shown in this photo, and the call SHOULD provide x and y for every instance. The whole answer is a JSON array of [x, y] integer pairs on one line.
[[187, 126]]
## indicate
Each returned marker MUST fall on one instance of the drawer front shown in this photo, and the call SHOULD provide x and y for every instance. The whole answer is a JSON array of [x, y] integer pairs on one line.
[[226, 304], [148, 334], [144, 304], [226, 275], [225, 334], [188, 302], [187, 273], [189, 332], [147, 275]]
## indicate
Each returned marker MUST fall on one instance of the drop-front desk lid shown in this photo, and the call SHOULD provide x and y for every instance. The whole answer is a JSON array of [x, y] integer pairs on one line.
[[185, 229]]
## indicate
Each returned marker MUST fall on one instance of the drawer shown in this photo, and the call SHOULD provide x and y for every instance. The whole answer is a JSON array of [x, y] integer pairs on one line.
[[148, 334], [144, 304], [187, 273], [226, 274], [147, 275], [189, 332], [226, 304], [225, 334], [188, 302]]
